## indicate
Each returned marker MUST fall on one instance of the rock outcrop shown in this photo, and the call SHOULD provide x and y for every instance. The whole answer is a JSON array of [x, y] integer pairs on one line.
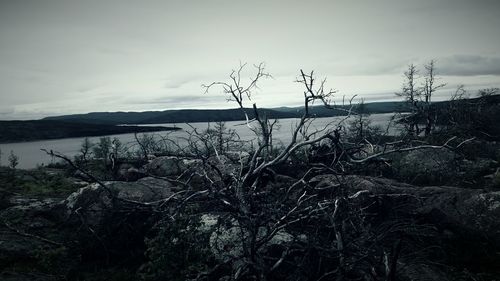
[[467, 211], [93, 223], [103, 223], [440, 166], [169, 166]]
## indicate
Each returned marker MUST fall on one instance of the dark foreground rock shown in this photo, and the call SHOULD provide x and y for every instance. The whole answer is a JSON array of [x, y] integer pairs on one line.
[[440, 167], [165, 166], [460, 226], [463, 211], [458, 229], [52, 238]]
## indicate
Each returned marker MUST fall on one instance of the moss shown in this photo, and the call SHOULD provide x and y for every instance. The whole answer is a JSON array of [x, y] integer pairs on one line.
[[425, 167], [178, 249], [36, 183]]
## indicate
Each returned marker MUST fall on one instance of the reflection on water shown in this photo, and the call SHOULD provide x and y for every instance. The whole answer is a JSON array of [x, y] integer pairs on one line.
[[30, 154]]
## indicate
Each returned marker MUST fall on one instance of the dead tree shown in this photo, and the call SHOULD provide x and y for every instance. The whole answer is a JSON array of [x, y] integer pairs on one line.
[[429, 88], [247, 188], [360, 126], [86, 151], [411, 93], [245, 194]]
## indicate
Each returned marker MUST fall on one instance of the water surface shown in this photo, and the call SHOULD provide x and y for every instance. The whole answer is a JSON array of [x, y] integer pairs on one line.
[[30, 155]]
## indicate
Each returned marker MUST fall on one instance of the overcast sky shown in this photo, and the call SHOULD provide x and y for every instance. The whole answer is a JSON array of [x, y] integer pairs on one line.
[[64, 56]]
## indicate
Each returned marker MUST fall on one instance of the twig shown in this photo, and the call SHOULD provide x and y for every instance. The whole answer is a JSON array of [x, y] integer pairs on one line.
[[22, 233]]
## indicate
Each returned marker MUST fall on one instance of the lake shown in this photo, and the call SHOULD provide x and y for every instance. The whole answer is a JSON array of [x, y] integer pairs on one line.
[[30, 155]]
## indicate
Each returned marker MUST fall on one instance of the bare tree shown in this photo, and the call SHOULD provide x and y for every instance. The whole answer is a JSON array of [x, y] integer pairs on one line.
[[219, 137], [430, 86], [466, 117], [13, 160], [360, 125], [488, 92], [411, 93], [102, 149], [149, 144], [247, 188], [86, 151]]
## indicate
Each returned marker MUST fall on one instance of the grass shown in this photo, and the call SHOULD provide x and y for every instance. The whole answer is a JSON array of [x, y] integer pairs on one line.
[[36, 183]]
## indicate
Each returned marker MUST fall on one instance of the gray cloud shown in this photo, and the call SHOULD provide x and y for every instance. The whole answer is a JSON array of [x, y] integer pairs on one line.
[[469, 65], [6, 110], [63, 56], [175, 82], [173, 100]]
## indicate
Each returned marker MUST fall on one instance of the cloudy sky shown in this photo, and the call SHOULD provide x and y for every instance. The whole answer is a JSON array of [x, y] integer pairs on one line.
[[69, 56]]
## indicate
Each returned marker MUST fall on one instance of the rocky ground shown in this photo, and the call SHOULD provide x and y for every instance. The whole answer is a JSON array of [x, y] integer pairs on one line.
[[98, 232]]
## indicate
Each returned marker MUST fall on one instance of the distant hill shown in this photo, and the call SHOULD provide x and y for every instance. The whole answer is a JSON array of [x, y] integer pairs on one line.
[[168, 116], [213, 115], [110, 118], [371, 108], [104, 123], [18, 131]]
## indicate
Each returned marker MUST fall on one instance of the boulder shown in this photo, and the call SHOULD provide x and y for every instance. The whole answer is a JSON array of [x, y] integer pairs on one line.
[[31, 236], [93, 224], [98, 205], [168, 166], [237, 156], [470, 212], [223, 164], [440, 166], [462, 222], [227, 238], [427, 166], [127, 172], [470, 170]]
